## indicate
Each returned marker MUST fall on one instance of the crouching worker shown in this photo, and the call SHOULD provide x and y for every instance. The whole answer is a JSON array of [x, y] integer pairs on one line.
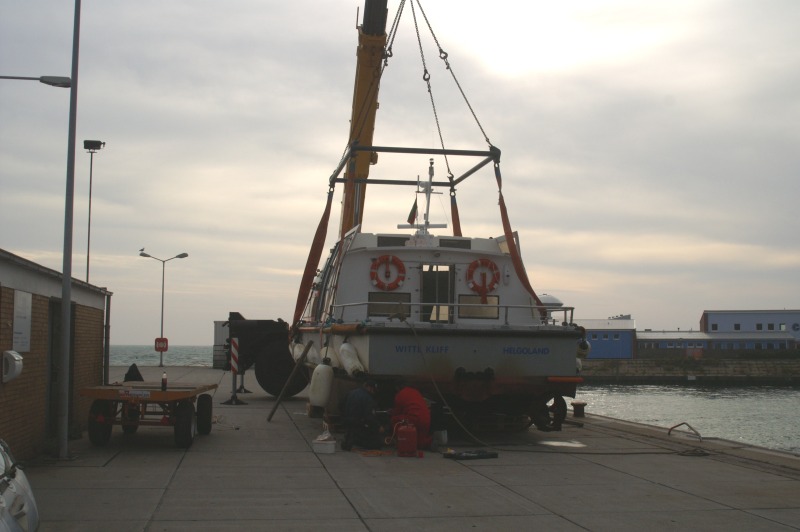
[[360, 421], [409, 405]]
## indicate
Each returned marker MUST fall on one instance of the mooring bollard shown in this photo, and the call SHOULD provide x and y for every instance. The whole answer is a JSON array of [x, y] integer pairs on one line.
[[577, 408]]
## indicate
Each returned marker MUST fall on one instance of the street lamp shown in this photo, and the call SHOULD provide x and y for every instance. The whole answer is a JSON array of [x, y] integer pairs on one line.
[[92, 146], [163, 270], [55, 81], [62, 361]]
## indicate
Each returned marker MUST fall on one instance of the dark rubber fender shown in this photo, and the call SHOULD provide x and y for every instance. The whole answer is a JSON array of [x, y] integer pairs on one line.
[[273, 368]]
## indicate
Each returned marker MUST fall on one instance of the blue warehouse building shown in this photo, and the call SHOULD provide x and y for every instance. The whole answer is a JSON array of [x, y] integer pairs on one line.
[[722, 333], [752, 321], [611, 338]]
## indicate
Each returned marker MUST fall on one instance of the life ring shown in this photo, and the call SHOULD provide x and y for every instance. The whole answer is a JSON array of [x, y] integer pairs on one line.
[[488, 284], [387, 261]]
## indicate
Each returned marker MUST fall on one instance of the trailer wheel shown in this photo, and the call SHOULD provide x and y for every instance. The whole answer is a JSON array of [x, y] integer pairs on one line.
[[204, 413], [185, 424], [130, 417], [101, 419]]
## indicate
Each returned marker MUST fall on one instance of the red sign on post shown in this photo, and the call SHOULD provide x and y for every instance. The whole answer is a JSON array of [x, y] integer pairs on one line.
[[162, 345]]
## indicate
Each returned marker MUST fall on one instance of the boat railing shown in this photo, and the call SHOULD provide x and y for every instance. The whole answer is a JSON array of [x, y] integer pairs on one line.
[[439, 312]]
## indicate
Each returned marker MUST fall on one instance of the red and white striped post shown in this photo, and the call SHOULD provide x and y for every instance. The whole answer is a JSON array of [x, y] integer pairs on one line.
[[234, 357], [234, 370]]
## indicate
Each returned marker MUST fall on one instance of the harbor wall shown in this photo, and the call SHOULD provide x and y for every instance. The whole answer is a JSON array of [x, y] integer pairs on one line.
[[680, 370]]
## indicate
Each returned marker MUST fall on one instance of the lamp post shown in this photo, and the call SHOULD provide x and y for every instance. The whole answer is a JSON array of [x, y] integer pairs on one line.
[[66, 272], [92, 146], [63, 374], [163, 271]]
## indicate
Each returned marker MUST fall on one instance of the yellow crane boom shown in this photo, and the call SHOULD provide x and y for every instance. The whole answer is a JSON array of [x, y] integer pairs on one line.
[[371, 44]]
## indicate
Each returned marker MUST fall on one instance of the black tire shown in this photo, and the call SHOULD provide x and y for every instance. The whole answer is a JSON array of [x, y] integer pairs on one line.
[[101, 419], [185, 424], [130, 417], [549, 413], [204, 413]]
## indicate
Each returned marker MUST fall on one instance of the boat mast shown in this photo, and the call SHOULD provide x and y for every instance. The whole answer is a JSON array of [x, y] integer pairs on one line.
[[427, 190]]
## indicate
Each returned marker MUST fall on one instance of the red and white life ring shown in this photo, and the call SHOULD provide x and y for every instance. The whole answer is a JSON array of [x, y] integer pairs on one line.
[[488, 283], [387, 283]]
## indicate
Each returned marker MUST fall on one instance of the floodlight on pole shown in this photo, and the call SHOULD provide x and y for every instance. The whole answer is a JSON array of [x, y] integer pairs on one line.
[[92, 146]]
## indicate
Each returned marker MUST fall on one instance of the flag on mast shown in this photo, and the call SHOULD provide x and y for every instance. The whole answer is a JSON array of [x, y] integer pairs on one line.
[[412, 216]]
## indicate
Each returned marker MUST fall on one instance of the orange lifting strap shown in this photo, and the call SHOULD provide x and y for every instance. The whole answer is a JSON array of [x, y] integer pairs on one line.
[[314, 254], [512, 244]]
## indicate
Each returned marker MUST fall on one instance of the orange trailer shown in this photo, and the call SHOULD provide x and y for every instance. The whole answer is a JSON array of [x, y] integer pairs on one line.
[[132, 404]]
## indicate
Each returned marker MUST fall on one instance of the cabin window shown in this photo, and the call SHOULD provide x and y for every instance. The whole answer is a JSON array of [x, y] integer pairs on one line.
[[489, 310], [391, 241], [453, 243], [437, 293], [503, 243], [385, 304]]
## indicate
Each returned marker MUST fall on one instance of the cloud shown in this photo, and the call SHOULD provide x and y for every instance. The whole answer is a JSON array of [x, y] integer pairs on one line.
[[649, 152]]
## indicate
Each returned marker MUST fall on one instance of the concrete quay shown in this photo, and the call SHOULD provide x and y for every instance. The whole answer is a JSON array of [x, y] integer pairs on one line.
[[250, 474]]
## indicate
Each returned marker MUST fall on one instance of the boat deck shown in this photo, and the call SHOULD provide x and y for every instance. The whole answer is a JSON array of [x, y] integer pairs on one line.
[[250, 474]]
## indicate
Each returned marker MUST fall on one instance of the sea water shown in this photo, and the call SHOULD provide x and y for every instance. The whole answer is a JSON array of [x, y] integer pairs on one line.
[[765, 416], [176, 355]]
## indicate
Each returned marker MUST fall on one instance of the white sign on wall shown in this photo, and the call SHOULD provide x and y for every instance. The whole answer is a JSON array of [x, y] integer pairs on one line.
[[22, 321]]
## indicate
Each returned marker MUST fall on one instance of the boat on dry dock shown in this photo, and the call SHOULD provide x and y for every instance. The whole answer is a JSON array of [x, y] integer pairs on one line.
[[452, 315]]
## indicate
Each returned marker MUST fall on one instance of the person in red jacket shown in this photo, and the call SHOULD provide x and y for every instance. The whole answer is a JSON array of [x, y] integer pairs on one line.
[[411, 406]]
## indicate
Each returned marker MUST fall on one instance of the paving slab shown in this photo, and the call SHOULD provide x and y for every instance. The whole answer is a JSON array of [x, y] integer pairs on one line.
[[696, 521], [253, 474], [551, 523]]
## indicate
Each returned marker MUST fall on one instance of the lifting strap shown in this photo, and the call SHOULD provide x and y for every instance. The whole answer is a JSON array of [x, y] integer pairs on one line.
[[314, 254], [512, 245], [454, 211]]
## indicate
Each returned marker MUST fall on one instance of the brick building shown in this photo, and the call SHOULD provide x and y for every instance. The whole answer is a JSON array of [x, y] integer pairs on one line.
[[30, 322]]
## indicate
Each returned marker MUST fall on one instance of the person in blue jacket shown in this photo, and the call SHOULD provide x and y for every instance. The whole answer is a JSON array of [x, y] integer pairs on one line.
[[362, 425]]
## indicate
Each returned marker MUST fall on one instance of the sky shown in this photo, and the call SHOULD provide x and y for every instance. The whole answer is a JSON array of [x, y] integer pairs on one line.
[[650, 153]]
